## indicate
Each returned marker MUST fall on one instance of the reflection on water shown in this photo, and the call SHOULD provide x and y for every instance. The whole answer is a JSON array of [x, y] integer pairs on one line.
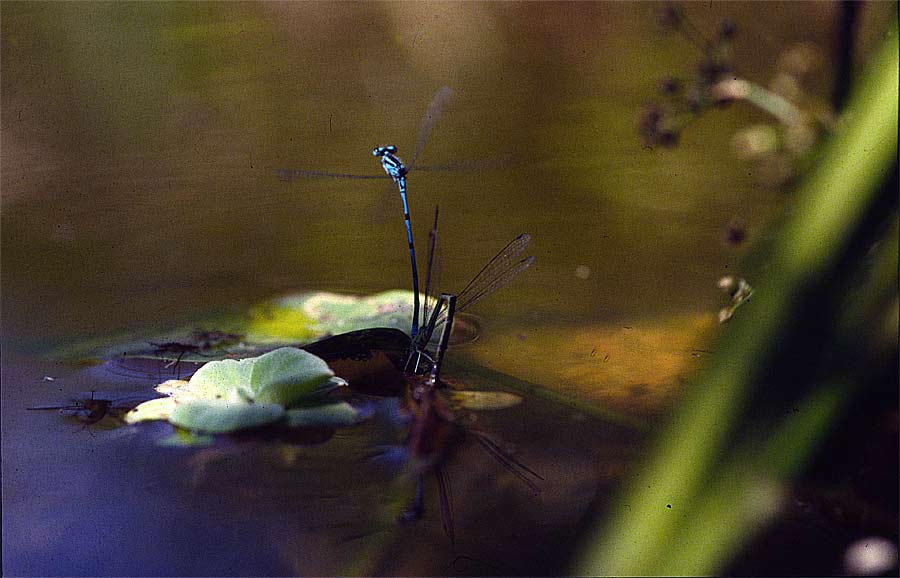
[[139, 148], [131, 197], [322, 507]]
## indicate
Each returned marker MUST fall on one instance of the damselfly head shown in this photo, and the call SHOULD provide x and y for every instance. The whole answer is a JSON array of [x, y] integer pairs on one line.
[[385, 150]]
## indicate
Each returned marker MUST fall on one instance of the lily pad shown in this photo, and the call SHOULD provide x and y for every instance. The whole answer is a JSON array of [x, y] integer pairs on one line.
[[218, 416], [228, 395], [217, 378], [285, 376], [293, 320], [155, 409], [332, 415]]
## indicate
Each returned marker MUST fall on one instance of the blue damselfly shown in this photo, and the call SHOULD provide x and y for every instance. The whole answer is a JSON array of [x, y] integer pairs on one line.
[[397, 171]]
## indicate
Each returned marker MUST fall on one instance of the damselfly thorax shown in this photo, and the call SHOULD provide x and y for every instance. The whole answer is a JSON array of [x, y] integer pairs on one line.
[[391, 164]]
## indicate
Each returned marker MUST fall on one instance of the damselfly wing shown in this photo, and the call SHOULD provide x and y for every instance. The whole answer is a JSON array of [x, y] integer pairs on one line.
[[436, 430]]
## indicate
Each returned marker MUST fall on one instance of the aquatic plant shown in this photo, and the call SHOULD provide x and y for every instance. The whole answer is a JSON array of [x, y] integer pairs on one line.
[[786, 369], [778, 148], [231, 395]]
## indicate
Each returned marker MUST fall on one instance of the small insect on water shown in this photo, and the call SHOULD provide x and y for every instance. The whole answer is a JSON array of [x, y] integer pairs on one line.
[[93, 410], [200, 342], [175, 348], [200, 346]]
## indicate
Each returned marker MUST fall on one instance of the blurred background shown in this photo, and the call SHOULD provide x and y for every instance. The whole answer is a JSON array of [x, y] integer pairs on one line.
[[139, 148]]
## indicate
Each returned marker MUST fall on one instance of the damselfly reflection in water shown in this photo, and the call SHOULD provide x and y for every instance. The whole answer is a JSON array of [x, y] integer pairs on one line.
[[432, 408], [436, 430]]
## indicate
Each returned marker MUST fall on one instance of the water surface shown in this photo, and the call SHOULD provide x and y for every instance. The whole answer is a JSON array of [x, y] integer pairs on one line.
[[139, 148]]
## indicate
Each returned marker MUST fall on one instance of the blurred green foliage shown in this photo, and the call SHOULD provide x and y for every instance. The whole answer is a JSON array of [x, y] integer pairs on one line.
[[785, 368]]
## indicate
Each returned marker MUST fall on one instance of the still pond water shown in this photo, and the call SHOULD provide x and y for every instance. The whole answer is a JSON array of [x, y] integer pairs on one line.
[[140, 143]]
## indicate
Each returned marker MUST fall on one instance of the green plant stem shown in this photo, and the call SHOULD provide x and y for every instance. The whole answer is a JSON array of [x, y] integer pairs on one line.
[[776, 105], [640, 533]]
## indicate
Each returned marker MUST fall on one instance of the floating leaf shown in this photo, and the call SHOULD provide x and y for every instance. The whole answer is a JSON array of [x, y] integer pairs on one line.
[[325, 313], [217, 378], [177, 388], [159, 408], [218, 416], [292, 320], [272, 321], [287, 376], [229, 395], [485, 400], [332, 415]]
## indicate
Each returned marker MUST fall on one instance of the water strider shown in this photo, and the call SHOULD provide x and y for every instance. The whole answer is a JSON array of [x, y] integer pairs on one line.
[[93, 409]]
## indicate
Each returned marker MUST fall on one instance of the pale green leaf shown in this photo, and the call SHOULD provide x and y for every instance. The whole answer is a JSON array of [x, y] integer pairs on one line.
[[176, 388], [218, 416], [215, 379], [159, 408], [287, 376], [332, 415]]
